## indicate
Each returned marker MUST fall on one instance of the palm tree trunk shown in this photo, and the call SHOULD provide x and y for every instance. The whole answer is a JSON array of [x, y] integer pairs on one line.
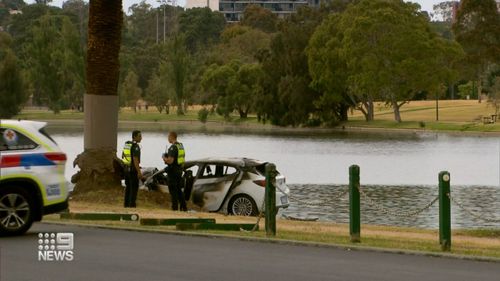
[[97, 163]]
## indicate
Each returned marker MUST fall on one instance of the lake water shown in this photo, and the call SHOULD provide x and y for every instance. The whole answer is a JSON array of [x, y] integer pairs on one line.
[[398, 171]]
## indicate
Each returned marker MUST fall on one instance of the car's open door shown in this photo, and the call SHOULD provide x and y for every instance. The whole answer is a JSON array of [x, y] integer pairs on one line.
[[213, 183]]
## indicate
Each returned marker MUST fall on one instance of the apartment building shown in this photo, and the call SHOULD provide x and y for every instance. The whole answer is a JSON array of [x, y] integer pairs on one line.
[[233, 9]]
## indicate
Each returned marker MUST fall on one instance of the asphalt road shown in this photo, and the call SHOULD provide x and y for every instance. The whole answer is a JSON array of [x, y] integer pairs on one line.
[[101, 254]]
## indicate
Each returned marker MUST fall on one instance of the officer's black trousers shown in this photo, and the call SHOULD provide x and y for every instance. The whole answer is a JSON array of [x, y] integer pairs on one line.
[[174, 188], [131, 188]]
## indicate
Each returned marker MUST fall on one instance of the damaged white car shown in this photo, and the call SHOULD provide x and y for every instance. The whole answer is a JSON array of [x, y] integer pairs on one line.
[[228, 185]]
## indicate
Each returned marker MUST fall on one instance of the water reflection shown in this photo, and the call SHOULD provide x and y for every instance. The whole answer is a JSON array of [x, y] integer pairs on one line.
[[385, 159], [482, 201]]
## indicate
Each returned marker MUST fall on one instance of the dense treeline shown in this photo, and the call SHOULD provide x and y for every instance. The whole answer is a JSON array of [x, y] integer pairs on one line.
[[307, 70]]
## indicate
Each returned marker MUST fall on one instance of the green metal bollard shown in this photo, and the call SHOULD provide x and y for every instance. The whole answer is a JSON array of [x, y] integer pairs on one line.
[[354, 205], [444, 211], [270, 200]]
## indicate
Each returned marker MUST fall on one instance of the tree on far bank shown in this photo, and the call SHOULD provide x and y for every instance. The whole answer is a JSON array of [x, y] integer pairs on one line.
[[494, 98], [382, 50], [328, 70], [233, 86], [477, 29], [130, 91], [12, 94], [201, 27], [56, 62], [156, 93], [242, 43], [287, 98], [244, 87], [260, 18], [177, 65]]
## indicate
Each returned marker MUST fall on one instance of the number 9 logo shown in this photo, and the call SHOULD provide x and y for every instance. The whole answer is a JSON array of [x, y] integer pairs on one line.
[[65, 241]]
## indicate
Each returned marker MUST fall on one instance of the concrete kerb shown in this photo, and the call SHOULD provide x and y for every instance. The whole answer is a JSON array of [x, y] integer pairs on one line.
[[174, 221], [100, 216], [284, 242]]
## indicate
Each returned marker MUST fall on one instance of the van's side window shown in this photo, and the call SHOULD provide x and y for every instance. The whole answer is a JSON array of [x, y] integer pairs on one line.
[[12, 140]]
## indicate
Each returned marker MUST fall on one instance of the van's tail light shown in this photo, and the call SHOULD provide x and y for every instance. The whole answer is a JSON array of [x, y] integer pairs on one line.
[[56, 157], [260, 183]]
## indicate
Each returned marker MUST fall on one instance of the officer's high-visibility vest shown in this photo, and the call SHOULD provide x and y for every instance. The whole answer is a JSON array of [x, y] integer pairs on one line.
[[126, 153], [181, 154]]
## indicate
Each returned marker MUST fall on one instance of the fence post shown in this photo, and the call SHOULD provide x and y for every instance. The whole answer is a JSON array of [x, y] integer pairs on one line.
[[270, 199], [354, 205], [444, 211]]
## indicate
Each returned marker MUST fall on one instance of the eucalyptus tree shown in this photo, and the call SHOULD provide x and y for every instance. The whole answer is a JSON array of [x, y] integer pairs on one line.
[[329, 72], [477, 29], [201, 27], [260, 18], [494, 98], [78, 10], [244, 87], [178, 60], [156, 93], [55, 61], [130, 90], [215, 83], [234, 86], [12, 94], [380, 50], [242, 43], [287, 98]]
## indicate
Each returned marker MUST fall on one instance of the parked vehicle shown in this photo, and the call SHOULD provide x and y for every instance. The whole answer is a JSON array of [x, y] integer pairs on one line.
[[32, 182], [227, 185]]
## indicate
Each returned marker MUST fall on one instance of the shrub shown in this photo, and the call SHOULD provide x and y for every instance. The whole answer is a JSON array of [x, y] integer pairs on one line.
[[203, 115]]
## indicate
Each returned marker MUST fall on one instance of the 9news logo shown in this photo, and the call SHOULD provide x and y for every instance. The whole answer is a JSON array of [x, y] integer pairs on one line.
[[55, 246]]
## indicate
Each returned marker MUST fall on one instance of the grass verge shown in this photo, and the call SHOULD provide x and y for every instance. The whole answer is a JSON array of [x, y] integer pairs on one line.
[[471, 243]]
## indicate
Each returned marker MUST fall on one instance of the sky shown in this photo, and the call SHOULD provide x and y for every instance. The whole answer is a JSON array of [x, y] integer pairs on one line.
[[425, 4]]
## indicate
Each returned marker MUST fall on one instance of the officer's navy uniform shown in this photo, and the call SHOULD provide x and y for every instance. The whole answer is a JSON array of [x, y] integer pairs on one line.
[[131, 177], [176, 151]]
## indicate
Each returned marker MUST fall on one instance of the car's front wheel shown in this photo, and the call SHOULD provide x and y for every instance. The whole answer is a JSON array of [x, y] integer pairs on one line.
[[16, 211], [243, 205]]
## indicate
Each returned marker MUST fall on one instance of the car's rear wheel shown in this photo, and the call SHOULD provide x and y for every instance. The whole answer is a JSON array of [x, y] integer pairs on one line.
[[16, 211], [243, 205]]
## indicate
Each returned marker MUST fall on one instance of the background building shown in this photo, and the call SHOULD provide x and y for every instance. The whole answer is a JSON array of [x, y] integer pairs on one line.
[[447, 11], [212, 4], [233, 9]]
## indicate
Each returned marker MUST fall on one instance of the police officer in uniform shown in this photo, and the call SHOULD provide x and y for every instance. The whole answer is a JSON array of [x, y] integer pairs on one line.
[[126, 160], [175, 158], [132, 158]]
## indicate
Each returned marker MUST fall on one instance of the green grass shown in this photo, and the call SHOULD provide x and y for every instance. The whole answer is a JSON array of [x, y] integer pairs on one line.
[[455, 116]]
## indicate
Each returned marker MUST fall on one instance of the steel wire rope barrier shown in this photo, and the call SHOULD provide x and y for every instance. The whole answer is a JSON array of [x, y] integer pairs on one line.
[[404, 214], [471, 213], [259, 217]]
